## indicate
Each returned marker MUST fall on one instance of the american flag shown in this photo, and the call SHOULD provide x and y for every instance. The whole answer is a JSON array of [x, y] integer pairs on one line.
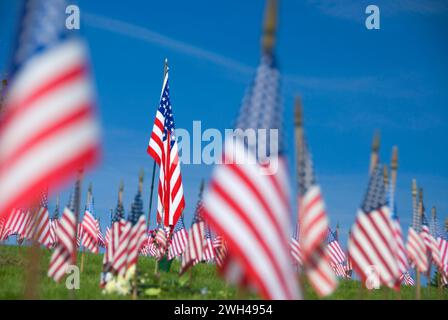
[[336, 254], [220, 248], [208, 252], [372, 241], [296, 251], [195, 248], [348, 267], [417, 250], [115, 234], [313, 221], [163, 148], [160, 241], [89, 225], [121, 243], [54, 223], [179, 240], [442, 239], [48, 130], [38, 227], [64, 253], [406, 279], [16, 222], [137, 235], [432, 246], [400, 251], [247, 203]]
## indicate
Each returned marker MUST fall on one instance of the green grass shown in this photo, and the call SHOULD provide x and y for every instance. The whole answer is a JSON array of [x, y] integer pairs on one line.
[[202, 283]]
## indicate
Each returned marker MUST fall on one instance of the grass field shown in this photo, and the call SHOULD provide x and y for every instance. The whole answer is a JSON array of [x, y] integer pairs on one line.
[[202, 283]]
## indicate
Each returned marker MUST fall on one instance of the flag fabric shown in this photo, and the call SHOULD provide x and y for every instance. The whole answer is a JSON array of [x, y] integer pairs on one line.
[[208, 251], [406, 279], [48, 130], [163, 148], [432, 246], [220, 248], [195, 248], [17, 222], [417, 250], [313, 221], [400, 250], [117, 224], [160, 242], [348, 267], [100, 236], [442, 239], [371, 241], [179, 240], [296, 251], [121, 243], [247, 201], [336, 254], [63, 255], [89, 226], [54, 222], [137, 235], [38, 227]]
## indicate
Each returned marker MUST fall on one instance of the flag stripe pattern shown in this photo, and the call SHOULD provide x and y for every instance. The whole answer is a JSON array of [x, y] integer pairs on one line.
[[138, 233], [247, 203], [163, 148], [63, 255], [179, 240], [48, 128], [371, 242], [313, 221]]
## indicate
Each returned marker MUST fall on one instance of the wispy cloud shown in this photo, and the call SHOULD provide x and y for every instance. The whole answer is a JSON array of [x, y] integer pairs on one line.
[[144, 34]]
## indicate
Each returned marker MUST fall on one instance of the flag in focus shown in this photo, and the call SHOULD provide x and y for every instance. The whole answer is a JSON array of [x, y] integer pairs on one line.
[[163, 148], [48, 128]]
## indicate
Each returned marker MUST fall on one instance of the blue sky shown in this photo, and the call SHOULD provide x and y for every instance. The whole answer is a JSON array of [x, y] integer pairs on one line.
[[352, 82]]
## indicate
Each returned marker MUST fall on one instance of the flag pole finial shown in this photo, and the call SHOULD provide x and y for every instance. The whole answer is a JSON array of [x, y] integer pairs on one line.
[[269, 25], [374, 152], [414, 188], [433, 212], [120, 192], [394, 161], [140, 180], [298, 112], [420, 201], [165, 67]]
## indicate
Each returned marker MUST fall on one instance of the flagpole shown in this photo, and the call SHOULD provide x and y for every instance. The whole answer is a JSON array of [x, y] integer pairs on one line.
[[416, 206], [374, 153], [298, 119], [2, 93], [135, 277]]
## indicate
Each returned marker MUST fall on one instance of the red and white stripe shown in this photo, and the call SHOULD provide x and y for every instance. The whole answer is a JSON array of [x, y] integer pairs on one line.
[[296, 251], [338, 269], [220, 248], [401, 255], [17, 222], [313, 222], [336, 253], [137, 238], [443, 249], [170, 201], [178, 244], [48, 129], [372, 242], [89, 227], [248, 205], [38, 227], [63, 255], [195, 248], [121, 249], [417, 250], [432, 246], [209, 253], [54, 223]]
